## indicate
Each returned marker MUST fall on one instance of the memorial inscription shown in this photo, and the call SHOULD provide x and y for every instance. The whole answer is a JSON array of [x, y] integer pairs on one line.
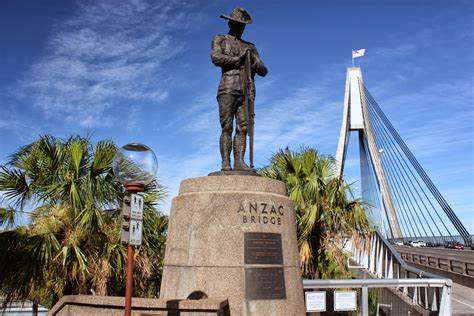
[[262, 248], [265, 284], [261, 213]]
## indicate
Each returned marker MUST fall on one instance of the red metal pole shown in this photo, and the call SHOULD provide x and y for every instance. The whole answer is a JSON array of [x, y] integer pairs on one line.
[[131, 188], [129, 283]]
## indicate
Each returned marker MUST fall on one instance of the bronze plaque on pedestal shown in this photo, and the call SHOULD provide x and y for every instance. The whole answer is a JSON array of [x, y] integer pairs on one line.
[[262, 248], [265, 284]]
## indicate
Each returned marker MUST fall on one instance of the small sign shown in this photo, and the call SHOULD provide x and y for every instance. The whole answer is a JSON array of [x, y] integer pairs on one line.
[[315, 301], [265, 284], [136, 227], [136, 202], [126, 207], [262, 248], [345, 301], [124, 236]]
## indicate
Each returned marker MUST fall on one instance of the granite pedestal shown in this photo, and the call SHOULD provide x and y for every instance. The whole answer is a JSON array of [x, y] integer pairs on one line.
[[91, 305], [235, 237]]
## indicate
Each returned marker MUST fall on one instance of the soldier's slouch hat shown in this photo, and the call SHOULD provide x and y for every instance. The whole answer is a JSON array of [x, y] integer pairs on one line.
[[239, 15]]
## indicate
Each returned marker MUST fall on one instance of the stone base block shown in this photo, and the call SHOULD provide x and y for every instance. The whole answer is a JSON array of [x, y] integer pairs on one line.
[[234, 236], [86, 305]]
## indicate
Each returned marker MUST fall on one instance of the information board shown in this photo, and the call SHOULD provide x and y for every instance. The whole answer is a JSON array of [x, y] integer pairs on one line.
[[345, 300], [315, 301], [265, 284], [262, 248]]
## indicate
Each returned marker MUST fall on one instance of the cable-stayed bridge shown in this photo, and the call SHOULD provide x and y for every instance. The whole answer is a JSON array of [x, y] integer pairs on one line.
[[402, 201], [403, 205]]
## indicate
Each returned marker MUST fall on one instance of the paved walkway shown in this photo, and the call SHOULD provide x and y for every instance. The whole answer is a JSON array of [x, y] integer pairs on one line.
[[462, 300]]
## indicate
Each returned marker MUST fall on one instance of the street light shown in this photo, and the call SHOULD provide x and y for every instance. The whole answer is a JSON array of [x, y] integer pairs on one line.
[[135, 166]]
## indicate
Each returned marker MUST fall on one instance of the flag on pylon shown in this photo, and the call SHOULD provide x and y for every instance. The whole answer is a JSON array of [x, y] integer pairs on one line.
[[358, 53]]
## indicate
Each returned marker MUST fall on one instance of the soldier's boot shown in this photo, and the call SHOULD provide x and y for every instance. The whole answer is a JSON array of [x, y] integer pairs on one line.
[[239, 152], [225, 147]]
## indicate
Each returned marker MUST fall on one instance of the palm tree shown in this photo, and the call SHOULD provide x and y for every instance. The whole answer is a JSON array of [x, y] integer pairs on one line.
[[325, 209], [72, 243]]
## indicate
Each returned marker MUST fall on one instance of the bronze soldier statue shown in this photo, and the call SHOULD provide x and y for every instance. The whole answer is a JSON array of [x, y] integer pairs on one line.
[[240, 62]]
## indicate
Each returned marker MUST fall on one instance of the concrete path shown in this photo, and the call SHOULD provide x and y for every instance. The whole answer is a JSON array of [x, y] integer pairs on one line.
[[462, 300]]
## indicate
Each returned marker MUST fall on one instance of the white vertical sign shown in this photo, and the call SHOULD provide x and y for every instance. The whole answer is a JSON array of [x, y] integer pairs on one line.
[[345, 300], [136, 228], [315, 301], [136, 219], [136, 202]]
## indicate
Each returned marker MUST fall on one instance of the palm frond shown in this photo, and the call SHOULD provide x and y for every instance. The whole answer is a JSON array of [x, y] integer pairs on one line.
[[324, 207], [7, 216]]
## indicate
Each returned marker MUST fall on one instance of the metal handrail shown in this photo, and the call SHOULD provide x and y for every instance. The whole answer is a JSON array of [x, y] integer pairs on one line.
[[445, 285], [403, 264], [382, 261], [357, 283]]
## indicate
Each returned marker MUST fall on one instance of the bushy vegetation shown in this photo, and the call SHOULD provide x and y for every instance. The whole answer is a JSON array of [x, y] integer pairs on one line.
[[71, 243], [325, 209]]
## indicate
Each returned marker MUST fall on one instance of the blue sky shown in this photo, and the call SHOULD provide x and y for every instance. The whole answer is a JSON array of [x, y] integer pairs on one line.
[[141, 71]]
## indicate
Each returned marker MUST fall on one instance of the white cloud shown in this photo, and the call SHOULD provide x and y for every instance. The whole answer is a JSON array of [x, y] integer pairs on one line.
[[447, 122], [107, 52]]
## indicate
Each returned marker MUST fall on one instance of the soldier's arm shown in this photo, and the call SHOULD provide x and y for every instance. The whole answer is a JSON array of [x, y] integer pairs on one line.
[[257, 64], [218, 57]]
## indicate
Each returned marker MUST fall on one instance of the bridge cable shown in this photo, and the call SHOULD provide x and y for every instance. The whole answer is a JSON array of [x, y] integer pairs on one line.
[[395, 179], [445, 206], [404, 197], [366, 185], [373, 187], [454, 223], [401, 206], [402, 213], [397, 156], [387, 136], [383, 139]]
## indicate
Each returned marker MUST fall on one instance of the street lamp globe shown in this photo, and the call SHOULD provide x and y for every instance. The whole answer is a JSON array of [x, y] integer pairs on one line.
[[135, 166]]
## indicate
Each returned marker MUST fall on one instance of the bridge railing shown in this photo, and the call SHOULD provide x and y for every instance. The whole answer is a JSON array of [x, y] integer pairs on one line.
[[458, 268], [441, 306], [436, 241], [382, 261]]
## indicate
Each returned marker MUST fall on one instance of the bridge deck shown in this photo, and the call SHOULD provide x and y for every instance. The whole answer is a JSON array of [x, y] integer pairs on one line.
[[462, 300], [462, 296], [466, 255], [457, 262]]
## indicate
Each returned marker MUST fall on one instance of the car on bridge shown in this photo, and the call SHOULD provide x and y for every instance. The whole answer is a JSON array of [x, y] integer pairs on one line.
[[454, 245], [417, 243]]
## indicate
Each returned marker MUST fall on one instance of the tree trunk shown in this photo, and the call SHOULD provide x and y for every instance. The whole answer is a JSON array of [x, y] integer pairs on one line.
[[34, 309], [316, 245]]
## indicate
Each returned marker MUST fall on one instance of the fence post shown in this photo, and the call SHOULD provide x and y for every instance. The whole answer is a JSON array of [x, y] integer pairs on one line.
[[390, 267], [445, 304], [379, 260], [365, 301]]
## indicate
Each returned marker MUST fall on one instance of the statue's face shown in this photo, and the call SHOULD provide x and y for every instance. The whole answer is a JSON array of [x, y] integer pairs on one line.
[[236, 28]]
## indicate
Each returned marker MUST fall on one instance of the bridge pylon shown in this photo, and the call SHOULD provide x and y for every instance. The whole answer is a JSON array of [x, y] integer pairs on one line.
[[356, 118]]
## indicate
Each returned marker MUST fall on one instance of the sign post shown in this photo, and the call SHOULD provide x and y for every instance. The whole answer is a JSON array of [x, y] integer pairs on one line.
[[132, 228], [135, 166]]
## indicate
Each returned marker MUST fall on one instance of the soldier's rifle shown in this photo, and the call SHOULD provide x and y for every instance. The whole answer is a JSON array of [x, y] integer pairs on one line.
[[250, 103]]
